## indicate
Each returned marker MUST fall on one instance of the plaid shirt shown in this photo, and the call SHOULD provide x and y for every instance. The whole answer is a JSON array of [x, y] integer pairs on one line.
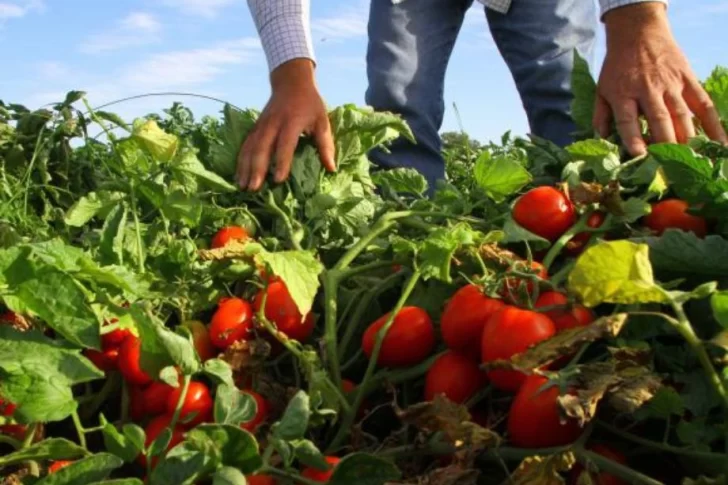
[[285, 29]]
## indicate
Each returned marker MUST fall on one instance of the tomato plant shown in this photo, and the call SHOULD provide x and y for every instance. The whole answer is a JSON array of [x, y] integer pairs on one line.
[[155, 427], [409, 340], [456, 376], [227, 234], [232, 321], [564, 315], [672, 214], [128, 361], [580, 240], [261, 412], [545, 211], [281, 310], [321, 476], [601, 478], [202, 340], [197, 404], [463, 318]]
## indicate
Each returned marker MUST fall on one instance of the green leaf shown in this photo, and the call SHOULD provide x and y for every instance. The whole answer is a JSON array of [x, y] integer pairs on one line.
[[364, 469], [600, 157], [683, 252], [305, 172], [188, 163], [120, 481], [719, 304], [49, 449], [401, 180], [111, 247], [73, 96], [294, 422], [228, 476], [224, 155], [36, 373], [233, 406], [615, 272], [91, 205], [499, 176], [633, 210], [690, 174], [119, 444], [82, 472], [183, 207], [584, 90], [665, 403], [112, 118], [437, 251], [697, 433], [151, 138], [300, 271], [513, 233], [717, 87], [308, 454], [219, 370]]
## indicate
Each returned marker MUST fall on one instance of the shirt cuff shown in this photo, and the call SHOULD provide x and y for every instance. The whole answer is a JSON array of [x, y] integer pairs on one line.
[[285, 34], [607, 5]]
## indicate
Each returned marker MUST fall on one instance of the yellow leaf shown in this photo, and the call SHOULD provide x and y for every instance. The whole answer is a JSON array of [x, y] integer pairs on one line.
[[160, 145]]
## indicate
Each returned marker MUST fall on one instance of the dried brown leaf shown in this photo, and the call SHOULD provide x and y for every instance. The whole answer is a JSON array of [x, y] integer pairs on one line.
[[543, 470], [232, 250]]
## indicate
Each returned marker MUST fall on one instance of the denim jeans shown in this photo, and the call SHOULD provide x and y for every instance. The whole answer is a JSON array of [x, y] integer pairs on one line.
[[410, 44]]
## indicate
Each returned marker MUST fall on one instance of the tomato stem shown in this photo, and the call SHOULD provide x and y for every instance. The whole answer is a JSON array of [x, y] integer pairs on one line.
[[555, 250], [180, 402], [271, 204], [268, 470], [10, 441], [79, 429]]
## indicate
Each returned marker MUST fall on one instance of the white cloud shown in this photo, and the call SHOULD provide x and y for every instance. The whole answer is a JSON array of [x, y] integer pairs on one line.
[[347, 23], [19, 8], [136, 29], [205, 8]]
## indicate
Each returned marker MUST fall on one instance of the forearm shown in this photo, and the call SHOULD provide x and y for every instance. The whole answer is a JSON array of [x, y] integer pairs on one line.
[[284, 29]]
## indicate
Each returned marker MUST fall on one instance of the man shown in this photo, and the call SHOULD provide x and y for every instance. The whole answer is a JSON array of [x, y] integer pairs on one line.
[[410, 42]]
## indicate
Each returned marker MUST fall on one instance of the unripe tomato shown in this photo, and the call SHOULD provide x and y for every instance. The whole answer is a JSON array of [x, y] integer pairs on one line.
[[198, 401], [463, 318], [564, 318], [321, 476], [155, 397], [508, 332], [456, 376], [261, 413], [154, 429], [534, 420], [577, 243], [671, 213], [201, 339], [227, 234], [602, 478], [232, 321], [544, 211], [260, 480], [410, 338], [283, 312], [57, 465], [128, 362]]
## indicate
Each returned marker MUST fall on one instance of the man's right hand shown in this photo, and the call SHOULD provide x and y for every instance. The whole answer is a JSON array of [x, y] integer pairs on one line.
[[295, 107]]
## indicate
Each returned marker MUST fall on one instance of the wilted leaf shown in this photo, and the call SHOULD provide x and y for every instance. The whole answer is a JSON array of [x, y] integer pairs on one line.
[[543, 470]]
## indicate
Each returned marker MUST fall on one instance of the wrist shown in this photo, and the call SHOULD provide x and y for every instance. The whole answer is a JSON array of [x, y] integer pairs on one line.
[[295, 73], [636, 21]]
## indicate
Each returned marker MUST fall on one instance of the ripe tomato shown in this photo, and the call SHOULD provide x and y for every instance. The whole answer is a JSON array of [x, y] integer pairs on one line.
[[104, 360], [12, 318], [544, 211], [227, 234], [114, 338], [6, 408], [282, 310], [508, 332], [201, 339], [232, 321], [261, 414], [577, 243], [534, 420], [670, 213], [410, 338], [260, 480], [463, 319], [515, 285], [128, 361], [17, 431], [154, 429], [321, 476], [57, 465], [155, 396], [456, 376], [603, 478], [563, 318], [137, 410], [198, 401]]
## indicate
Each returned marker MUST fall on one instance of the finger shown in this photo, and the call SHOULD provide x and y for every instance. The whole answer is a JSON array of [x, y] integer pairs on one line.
[[285, 148], [260, 156], [682, 117], [243, 169], [628, 126], [325, 143], [602, 116], [658, 118], [700, 103]]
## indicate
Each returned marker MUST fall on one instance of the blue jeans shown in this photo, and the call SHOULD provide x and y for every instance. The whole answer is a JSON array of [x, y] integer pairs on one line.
[[410, 44]]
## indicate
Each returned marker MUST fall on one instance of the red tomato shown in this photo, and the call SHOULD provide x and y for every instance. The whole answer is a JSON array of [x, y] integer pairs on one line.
[[114, 338], [155, 396], [577, 243], [128, 361], [511, 331], [534, 420], [456, 376], [17, 431], [154, 429], [260, 480], [347, 386], [201, 339], [544, 211], [232, 321], [564, 318], [603, 478], [261, 413], [227, 234], [282, 310], [670, 213], [321, 476], [57, 465], [11, 317], [463, 319], [6, 408], [104, 360], [514, 285], [197, 401], [137, 410], [410, 338]]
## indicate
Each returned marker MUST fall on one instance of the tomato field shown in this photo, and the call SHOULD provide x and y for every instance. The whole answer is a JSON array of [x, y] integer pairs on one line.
[[545, 315]]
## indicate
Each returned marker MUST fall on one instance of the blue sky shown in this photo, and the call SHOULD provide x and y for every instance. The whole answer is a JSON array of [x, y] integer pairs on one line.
[[114, 49]]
